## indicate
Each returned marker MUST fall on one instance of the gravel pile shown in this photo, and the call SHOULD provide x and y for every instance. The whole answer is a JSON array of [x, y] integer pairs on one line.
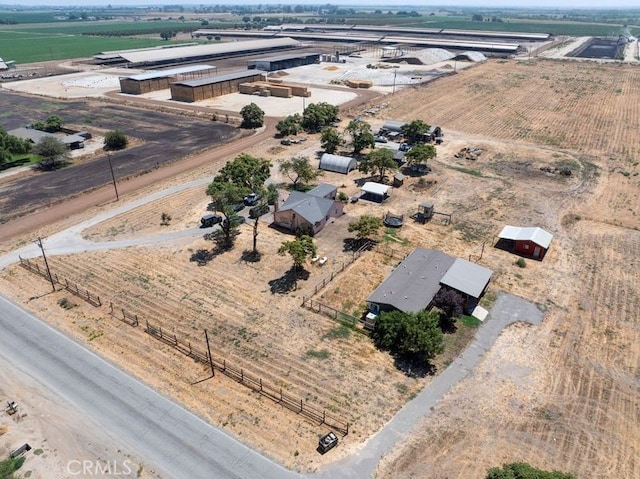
[[94, 81]]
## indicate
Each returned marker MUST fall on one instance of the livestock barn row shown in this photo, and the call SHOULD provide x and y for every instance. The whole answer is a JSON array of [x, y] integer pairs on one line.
[[161, 79], [195, 90]]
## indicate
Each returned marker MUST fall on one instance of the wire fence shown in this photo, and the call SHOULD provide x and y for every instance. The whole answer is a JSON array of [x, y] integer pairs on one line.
[[73, 288]]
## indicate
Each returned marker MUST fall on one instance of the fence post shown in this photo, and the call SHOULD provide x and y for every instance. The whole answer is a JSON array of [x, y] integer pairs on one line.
[[224, 364], [241, 375], [280, 394], [260, 384], [324, 416], [301, 408]]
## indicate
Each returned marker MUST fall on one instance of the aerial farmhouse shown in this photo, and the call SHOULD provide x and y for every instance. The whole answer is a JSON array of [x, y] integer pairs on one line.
[[308, 211]]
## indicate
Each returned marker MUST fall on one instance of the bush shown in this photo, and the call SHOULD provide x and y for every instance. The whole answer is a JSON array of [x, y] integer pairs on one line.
[[521, 263], [343, 197], [115, 140]]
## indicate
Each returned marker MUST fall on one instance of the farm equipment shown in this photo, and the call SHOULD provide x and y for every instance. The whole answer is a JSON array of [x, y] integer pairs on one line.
[[469, 153], [426, 211]]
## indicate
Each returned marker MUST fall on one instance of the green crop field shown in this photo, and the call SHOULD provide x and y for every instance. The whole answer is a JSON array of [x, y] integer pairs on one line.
[[26, 47]]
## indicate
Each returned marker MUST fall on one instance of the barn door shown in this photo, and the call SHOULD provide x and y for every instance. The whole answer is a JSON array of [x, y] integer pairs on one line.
[[536, 252]]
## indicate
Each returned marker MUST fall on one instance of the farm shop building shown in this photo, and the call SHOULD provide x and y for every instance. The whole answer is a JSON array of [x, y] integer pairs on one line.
[[210, 87], [283, 62], [160, 79]]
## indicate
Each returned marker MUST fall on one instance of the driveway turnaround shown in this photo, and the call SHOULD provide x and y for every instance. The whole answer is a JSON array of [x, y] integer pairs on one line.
[[507, 310], [172, 440]]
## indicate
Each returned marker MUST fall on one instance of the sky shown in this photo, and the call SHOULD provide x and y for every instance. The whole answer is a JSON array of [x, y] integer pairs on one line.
[[554, 4]]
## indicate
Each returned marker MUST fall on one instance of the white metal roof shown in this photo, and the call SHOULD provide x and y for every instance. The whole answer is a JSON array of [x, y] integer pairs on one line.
[[518, 233], [466, 277], [221, 78], [169, 72], [375, 188], [337, 163], [167, 54]]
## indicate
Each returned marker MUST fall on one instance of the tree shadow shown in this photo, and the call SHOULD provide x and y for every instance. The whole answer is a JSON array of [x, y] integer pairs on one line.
[[203, 256], [287, 282], [250, 256], [354, 244], [414, 367], [447, 323]]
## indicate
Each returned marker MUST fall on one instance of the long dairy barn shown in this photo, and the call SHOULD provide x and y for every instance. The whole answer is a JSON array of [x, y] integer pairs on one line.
[[160, 79], [210, 87]]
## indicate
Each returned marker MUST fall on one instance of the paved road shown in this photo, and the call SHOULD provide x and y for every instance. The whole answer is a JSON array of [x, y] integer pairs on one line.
[[175, 442]]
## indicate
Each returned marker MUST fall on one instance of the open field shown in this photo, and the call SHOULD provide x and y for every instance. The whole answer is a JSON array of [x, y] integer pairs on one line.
[[562, 395]]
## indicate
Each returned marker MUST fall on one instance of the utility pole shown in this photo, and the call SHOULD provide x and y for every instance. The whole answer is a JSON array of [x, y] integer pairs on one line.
[[46, 264], [113, 177], [213, 371], [395, 72]]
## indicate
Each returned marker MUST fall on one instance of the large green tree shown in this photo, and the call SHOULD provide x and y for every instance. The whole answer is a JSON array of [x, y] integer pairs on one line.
[[366, 227], [291, 125], [412, 335], [53, 124], [318, 115], [13, 145], [361, 135], [299, 170], [252, 116], [53, 152], [414, 130], [420, 154], [249, 174], [299, 249], [378, 161], [521, 470], [330, 140]]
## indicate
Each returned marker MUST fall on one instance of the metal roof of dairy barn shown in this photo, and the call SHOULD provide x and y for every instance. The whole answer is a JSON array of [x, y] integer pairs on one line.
[[218, 78], [177, 53], [169, 72]]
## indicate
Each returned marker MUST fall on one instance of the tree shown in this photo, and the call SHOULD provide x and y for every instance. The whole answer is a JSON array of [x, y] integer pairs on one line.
[[115, 140], [476, 17], [521, 470], [5, 156], [299, 249], [291, 125], [166, 35], [330, 140], [318, 115], [52, 151], [361, 135], [299, 170], [252, 116], [414, 130], [365, 228], [379, 160], [53, 124], [223, 196], [451, 303], [248, 173], [420, 154], [410, 335]]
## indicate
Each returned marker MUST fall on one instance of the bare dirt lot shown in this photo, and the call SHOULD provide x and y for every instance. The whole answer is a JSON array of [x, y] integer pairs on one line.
[[562, 395]]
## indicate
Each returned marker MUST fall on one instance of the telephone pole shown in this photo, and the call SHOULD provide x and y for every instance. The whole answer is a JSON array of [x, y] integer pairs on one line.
[[46, 264], [113, 177]]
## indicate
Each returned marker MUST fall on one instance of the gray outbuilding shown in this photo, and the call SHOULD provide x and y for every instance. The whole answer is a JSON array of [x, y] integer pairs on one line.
[[337, 163]]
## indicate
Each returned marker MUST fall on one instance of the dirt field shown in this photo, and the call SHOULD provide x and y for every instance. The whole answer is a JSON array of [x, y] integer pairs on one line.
[[563, 395]]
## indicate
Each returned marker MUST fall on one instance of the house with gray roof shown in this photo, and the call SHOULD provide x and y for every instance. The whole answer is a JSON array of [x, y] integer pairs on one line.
[[308, 211], [414, 283], [73, 141]]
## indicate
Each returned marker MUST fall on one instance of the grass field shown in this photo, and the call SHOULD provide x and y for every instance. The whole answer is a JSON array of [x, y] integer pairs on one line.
[[29, 47]]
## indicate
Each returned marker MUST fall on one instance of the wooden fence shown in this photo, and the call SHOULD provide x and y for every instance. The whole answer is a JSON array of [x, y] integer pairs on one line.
[[390, 252], [130, 319], [299, 406], [333, 313], [73, 288]]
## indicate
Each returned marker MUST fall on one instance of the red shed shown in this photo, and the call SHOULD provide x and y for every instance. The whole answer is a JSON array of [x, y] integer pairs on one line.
[[528, 241]]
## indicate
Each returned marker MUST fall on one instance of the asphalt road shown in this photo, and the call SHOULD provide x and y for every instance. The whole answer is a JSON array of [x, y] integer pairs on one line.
[[177, 443]]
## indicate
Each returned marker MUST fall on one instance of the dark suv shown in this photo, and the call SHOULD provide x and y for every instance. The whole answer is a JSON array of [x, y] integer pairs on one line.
[[207, 221], [327, 442], [258, 211]]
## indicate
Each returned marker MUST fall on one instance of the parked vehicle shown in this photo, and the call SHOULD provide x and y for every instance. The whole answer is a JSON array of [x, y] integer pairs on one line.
[[207, 221], [327, 442], [238, 207], [380, 139], [252, 199], [258, 211]]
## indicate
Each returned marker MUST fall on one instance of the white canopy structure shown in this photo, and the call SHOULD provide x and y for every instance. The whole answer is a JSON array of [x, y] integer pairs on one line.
[[375, 191]]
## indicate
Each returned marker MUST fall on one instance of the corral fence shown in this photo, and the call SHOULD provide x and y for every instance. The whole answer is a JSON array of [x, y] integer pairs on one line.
[[73, 288], [327, 279], [333, 313], [130, 319], [297, 405], [390, 252]]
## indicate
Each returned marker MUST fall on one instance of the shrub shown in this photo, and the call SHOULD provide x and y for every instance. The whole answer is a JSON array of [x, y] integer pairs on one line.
[[115, 140], [521, 263]]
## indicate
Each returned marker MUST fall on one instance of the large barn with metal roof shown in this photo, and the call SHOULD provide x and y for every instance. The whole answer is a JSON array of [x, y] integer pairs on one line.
[[210, 87], [175, 55], [160, 79]]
